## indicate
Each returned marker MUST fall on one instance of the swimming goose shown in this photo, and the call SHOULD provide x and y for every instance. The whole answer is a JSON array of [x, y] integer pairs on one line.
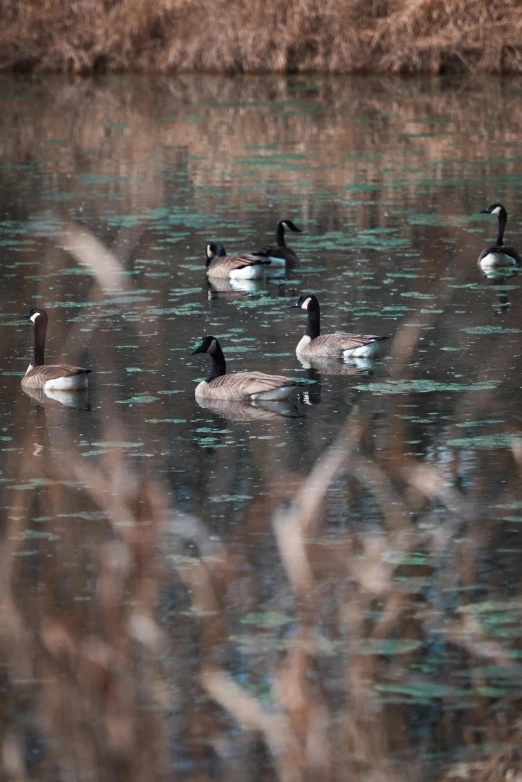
[[334, 345], [242, 386], [242, 267], [499, 254], [57, 377], [280, 254]]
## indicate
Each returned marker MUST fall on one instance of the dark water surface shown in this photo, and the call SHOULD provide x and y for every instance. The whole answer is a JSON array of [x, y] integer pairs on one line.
[[158, 610]]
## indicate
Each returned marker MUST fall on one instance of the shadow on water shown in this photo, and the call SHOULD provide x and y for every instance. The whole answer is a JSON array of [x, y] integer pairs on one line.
[[195, 593]]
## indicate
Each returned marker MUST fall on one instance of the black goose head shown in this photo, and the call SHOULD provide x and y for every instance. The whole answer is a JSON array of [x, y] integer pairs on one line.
[[208, 345], [34, 313], [288, 225], [494, 209], [306, 302], [214, 250]]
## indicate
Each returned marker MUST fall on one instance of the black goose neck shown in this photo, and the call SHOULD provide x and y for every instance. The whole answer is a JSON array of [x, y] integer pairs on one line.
[[219, 365], [313, 328], [280, 235], [502, 220], [40, 328]]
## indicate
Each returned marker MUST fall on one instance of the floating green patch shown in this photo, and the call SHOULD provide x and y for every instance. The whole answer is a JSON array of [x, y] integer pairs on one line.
[[499, 440], [267, 619], [165, 420], [140, 399], [390, 646], [422, 387], [490, 330], [422, 692]]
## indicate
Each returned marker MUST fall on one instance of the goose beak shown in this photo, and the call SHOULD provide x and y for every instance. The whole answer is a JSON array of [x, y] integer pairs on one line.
[[197, 350], [295, 304], [27, 315], [485, 212]]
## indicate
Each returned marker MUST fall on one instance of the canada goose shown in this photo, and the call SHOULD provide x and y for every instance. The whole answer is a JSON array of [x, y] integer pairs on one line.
[[243, 267], [334, 345], [499, 254], [243, 386], [57, 377], [280, 255]]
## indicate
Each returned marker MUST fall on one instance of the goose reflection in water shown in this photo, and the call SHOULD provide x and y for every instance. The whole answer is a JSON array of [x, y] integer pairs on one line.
[[497, 277], [317, 366], [249, 411], [352, 368], [56, 399], [503, 303], [232, 289]]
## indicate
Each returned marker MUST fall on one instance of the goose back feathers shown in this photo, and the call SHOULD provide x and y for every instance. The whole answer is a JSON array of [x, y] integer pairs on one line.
[[241, 386], [221, 265], [60, 377]]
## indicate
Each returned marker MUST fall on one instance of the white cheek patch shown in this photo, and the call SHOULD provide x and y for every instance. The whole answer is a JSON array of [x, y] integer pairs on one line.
[[210, 253], [496, 210], [33, 317], [286, 226], [212, 346], [306, 302]]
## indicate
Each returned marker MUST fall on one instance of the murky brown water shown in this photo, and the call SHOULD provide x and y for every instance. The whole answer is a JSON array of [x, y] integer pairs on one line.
[[167, 611]]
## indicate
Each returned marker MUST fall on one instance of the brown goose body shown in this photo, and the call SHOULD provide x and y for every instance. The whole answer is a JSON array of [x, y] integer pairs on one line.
[[57, 377], [246, 386], [246, 267], [503, 256], [334, 345], [286, 254], [241, 386]]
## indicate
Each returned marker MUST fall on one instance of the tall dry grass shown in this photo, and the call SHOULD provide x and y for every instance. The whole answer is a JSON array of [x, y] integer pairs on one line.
[[249, 36]]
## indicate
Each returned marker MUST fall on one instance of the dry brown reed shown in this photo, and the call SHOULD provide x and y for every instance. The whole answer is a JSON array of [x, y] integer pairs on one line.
[[241, 36], [114, 692]]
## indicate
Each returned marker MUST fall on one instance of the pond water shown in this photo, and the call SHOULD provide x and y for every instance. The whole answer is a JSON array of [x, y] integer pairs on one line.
[[167, 612]]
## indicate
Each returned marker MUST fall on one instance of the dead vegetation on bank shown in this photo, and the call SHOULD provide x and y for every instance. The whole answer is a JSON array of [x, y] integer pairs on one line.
[[249, 36]]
